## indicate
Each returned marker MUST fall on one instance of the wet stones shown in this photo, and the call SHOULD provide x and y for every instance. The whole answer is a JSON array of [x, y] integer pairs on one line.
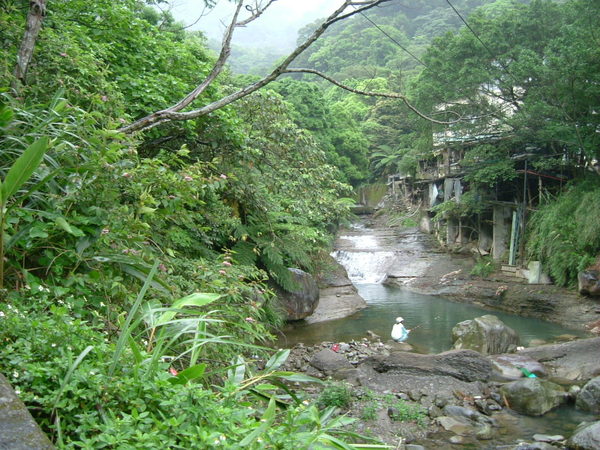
[[533, 396], [588, 399], [487, 335], [586, 437], [467, 422], [509, 365]]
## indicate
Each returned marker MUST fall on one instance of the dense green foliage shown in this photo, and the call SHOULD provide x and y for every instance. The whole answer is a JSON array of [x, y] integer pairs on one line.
[[565, 233], [535, 79], [105, 231]]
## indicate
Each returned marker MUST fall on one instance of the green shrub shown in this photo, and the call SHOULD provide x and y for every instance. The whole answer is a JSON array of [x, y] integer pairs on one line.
[[564, 234], [403, 411], [484, 267], [62, 368], [336, 394]]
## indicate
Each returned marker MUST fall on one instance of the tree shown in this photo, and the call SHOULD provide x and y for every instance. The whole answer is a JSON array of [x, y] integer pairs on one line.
[[176, 112], [37, 11]]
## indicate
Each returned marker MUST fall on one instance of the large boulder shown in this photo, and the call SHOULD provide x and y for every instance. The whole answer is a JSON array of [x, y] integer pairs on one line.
[[338, 296], [465, 365], [588, 398], [589, 282], [301, 301], [18, 430], [533, 396], [576, 360], [585, 437], [487, 335]]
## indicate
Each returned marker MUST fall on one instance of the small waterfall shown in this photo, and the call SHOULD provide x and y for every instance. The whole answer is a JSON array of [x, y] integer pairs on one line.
[[365, 266]]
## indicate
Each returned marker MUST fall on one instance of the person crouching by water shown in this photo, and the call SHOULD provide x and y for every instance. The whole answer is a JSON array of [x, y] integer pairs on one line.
[[399, 333]]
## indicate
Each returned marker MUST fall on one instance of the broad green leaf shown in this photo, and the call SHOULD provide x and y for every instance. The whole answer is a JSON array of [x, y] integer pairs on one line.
[[197, 299], [6, 115], [141, 273], [335, 442], [146, 210], [62, 223], [189, 374], [23, 168], [280, 384], [296, 377], [265, 387], [60, 106], [277, 360], [38, 232], [135, 349], [237, 372]]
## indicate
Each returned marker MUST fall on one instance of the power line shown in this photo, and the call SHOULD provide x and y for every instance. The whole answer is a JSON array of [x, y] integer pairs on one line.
[[393, 40], [481, 42]]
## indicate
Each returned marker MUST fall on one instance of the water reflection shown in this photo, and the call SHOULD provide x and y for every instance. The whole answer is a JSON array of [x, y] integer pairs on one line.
[[431, 318]]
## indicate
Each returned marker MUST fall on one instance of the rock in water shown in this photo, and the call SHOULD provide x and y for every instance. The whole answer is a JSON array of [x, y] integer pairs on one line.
[[588, 399], [487, 335], [303, 299], [585, 437], [533, 396]]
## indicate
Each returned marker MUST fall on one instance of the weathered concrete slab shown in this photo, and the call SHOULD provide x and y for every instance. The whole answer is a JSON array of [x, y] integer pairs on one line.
[[18, 430]]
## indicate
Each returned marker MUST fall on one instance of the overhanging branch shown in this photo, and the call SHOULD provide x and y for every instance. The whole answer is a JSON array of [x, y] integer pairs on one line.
[[174, 113], [373, 94]]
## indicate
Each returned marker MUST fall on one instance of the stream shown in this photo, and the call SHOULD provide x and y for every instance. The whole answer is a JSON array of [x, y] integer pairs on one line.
[[369, 256], [431, 317]]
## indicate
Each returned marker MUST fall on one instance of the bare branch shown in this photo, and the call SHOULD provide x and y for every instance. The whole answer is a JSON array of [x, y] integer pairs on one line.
[[373, 94], [204, 13], [257, 11], [217, 68], [174, 112]]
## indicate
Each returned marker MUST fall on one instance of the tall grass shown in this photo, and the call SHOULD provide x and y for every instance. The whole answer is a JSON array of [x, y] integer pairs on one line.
[[564, 234]]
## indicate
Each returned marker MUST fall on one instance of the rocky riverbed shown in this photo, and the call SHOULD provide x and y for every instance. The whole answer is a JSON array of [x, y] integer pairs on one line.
[[460, 397]]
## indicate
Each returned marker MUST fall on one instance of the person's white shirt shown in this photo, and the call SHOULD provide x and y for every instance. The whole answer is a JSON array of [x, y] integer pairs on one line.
[[399, 332]]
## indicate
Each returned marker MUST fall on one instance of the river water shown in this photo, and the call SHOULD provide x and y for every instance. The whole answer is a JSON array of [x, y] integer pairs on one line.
[[369, 255], [431, 319]]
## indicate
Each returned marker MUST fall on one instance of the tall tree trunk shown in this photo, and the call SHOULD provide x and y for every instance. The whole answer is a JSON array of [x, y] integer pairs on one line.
[[35, 17]]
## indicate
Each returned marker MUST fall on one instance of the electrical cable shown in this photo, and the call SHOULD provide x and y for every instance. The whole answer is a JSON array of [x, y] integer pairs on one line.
[[393, 40], [399, 45], [482, 43]]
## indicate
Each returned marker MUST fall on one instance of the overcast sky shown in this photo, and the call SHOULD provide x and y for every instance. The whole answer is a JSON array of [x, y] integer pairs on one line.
[[277, 27]]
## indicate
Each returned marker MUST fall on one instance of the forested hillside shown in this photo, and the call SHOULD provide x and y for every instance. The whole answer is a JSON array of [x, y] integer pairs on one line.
[[151, 200], [131, 258]]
